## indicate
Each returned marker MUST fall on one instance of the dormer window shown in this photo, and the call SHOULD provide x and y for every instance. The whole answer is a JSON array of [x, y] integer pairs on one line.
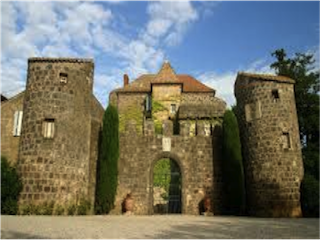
[[63, 78]]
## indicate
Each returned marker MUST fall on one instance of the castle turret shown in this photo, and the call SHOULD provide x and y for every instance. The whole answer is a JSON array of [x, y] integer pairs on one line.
[[55, 139], [269, 132]]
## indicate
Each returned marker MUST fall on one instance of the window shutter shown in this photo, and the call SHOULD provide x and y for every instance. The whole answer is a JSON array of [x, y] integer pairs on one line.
[[19, 124], [15, 123]]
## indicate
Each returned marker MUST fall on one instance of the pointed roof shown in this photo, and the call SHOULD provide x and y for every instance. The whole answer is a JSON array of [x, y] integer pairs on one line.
[[166, 74]]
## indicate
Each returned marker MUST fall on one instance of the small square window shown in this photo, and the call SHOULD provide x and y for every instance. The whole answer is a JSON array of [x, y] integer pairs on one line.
[[173, 109], [275, 95], [63, 78], [286, 140], [48, 128]]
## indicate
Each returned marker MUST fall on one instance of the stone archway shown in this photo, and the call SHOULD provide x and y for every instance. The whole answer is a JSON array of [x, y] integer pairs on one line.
[[166, 186]]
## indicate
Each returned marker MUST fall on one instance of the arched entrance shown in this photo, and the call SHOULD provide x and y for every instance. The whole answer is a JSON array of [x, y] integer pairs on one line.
[[166, 188]]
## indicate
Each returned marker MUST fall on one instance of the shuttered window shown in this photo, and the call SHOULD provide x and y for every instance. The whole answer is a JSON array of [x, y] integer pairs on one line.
[[17, 123], [48, 128]]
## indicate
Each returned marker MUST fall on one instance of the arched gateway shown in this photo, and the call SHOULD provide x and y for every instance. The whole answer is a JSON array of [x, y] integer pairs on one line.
[[194, 171], [166, 190]]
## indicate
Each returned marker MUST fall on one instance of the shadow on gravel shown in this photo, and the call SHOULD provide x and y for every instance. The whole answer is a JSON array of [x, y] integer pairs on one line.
[[252, 229], [19, 235]]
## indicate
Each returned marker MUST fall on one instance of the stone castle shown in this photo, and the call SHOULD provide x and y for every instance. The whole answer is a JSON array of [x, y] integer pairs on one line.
[[51, 132]]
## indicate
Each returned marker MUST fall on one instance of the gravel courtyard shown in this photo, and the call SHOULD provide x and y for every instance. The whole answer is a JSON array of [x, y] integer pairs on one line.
[[166, 226]]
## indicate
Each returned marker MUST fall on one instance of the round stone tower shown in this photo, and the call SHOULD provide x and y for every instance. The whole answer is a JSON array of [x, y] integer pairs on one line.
[[269, 132], [55, 139]]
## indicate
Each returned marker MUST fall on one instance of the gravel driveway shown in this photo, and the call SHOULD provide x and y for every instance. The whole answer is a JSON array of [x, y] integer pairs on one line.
[[166, 226]]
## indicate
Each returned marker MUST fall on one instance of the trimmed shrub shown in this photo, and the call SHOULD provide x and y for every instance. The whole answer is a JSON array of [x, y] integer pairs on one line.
[[71, 209], [310, 196], [107, 171], [11, 186], [232, 165], [59, 210], [83, 207]]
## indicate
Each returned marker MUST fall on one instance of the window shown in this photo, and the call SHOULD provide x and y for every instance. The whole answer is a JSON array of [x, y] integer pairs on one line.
[[63, 78], [17, 123], [173, 109], [285, 140], [48, 128], [148, 103], [275, 95]]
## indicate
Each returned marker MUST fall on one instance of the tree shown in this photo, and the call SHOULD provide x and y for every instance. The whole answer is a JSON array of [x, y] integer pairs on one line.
[[107, 170], [232, 165], [11, 186], [301, 69]]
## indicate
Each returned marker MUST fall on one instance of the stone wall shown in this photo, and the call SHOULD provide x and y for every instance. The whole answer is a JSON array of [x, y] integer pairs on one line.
[[56, 168], [197, 98], [198, 157], [9, 142], [131, 106], [269, 134]]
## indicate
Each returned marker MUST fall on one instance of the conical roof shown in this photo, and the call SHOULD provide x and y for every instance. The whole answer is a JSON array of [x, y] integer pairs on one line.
[[166, 74]]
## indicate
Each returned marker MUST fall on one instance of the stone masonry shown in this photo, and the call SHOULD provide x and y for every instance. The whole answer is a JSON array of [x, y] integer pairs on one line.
[[267, 118], [61, 167], [56, 150], [198, 157]]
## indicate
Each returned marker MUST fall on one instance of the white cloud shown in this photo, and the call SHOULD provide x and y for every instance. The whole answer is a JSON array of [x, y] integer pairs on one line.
[[223, 83], [169, 21], [86, 29]]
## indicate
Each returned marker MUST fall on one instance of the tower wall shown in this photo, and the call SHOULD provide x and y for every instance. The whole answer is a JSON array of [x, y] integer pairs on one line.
[[269, 132], [58, 92]]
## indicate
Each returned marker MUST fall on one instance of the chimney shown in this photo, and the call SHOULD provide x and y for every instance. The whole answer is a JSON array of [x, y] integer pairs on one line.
[[125, 80]]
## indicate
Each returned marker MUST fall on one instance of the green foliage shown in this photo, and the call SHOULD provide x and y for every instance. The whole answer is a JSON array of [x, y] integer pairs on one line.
[[72, 208], [11, 186], [301, 69], [160, 179], [59, 210], [107, 174], [131, 113], [26, 209], [310, 196], [157, 107], [157, 126], [232, 165], [45, 208], [83, 207]]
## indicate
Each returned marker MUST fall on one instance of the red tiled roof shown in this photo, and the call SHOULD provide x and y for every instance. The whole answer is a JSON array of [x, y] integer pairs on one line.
[[143, 84]]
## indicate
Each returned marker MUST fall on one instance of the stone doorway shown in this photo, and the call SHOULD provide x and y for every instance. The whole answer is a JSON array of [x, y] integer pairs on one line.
[[166, 187]]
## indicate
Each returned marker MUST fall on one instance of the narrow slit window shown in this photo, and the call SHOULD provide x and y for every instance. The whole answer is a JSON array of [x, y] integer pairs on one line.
[[48, 128], [286, 140], [148, 103], [275, 95], [173, 108], [17, 123], [148, 106], [63, 78]]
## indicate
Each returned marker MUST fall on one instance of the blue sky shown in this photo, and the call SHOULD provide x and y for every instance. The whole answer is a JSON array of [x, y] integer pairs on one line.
[[210, 40]]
